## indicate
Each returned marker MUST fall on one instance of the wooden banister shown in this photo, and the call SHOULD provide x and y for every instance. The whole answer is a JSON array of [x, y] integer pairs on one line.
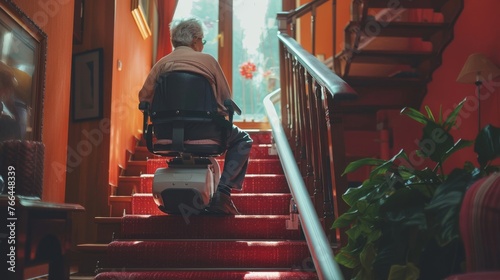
[[288, 20], [312, 121]]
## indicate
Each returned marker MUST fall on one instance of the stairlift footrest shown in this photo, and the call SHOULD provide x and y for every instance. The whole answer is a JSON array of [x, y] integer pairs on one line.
[[188, 186]]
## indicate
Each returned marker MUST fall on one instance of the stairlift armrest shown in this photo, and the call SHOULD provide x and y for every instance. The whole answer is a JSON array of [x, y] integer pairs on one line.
[[232, 107], [144, 107]]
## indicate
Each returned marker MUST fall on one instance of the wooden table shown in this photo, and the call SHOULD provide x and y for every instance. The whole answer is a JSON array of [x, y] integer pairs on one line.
[[35, 234]]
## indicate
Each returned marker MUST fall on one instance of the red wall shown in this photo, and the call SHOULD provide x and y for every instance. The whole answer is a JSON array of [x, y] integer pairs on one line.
[[476, 30]]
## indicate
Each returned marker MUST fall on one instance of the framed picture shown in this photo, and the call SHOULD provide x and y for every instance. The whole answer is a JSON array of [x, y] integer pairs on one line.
[[86, 88], [141, 12], [22, 74]]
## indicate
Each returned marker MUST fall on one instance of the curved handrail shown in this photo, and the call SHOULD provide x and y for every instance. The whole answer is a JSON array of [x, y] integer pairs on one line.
[[318, 70], [288, 19], [300, 11], [319, 247]]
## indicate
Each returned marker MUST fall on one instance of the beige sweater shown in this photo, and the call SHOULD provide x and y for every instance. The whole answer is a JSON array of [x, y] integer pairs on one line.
[[186, 59]]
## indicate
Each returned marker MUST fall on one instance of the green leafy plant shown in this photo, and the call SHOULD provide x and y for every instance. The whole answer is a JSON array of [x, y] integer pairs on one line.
[[403, 219]]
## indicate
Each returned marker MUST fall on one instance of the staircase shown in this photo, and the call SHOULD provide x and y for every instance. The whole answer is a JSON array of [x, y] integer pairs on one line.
[[390, 54], [149, 244]]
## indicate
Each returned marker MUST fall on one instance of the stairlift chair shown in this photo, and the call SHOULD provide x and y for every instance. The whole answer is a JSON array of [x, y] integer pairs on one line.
[[183, 125]]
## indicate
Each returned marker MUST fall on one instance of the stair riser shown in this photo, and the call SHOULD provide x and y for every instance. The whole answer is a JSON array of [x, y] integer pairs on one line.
[[252, 184], [141, 153], [261, 137], [258, 137], [118, 205], [127, 185], [207, 254], [255, 166], [248, 205], [261, 151], [208, 227], [108, 229], [135, 168]]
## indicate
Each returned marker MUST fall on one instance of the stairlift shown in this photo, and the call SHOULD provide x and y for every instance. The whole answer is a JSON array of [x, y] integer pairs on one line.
[[182, 124]]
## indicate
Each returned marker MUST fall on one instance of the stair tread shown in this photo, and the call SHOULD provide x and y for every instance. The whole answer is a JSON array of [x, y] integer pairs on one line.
[[259, 136], [212, 274], [207, 253], [206, 226], [255, 243], [247, 204], [130, 177], [92, 247], [254, 183], [255, 166], [233, 195]]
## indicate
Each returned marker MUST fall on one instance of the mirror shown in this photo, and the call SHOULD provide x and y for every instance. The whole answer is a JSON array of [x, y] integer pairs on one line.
[[23, 47]]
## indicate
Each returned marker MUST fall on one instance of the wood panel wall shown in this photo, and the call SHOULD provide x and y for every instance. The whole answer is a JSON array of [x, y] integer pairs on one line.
[[108, 25], [88, 141], [56, 20], [324, 23]]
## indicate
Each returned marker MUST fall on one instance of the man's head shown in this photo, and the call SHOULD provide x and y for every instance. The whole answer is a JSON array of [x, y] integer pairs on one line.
[[187, 32]]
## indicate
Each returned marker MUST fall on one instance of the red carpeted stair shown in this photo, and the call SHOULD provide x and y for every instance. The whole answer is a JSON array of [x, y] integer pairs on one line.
[[254, 245]]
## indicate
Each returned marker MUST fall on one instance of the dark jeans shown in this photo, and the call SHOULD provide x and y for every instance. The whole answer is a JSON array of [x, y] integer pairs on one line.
[[236, 159]]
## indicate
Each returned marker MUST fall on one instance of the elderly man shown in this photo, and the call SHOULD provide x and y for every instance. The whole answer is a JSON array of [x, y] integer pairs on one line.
[[187, 40]]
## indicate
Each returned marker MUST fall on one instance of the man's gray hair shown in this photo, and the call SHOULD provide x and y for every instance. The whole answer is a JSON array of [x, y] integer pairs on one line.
[[184, 31]]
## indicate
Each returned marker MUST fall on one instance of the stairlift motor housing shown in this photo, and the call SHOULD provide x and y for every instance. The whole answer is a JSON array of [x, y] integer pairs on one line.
[[185, 187]]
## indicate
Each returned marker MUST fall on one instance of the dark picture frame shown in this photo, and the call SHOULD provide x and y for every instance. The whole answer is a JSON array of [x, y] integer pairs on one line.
[[78, 21], [22, 71], [87, 85]]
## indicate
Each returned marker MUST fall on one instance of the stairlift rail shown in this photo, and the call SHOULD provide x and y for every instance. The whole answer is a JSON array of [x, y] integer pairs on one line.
[[319, 247]]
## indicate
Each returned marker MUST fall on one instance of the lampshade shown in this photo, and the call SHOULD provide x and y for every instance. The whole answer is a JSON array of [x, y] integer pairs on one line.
[[477, 66]]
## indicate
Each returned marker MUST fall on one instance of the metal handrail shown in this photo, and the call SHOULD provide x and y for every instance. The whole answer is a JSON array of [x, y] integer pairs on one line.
[[319, 247]]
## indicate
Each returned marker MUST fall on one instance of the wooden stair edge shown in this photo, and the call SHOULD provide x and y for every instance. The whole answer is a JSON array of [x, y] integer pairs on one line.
[[125, 198], [92, 247]]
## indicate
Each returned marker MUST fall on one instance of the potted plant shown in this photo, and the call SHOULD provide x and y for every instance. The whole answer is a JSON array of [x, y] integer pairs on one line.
[[403, 219]]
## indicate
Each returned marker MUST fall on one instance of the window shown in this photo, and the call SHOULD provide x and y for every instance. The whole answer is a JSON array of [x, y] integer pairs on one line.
[[241, 34]]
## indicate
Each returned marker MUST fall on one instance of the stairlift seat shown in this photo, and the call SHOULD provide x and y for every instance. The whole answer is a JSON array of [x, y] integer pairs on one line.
[[183, 124]]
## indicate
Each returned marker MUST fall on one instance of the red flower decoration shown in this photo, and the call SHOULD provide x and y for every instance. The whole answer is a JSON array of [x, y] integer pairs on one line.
[[247, 69]]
